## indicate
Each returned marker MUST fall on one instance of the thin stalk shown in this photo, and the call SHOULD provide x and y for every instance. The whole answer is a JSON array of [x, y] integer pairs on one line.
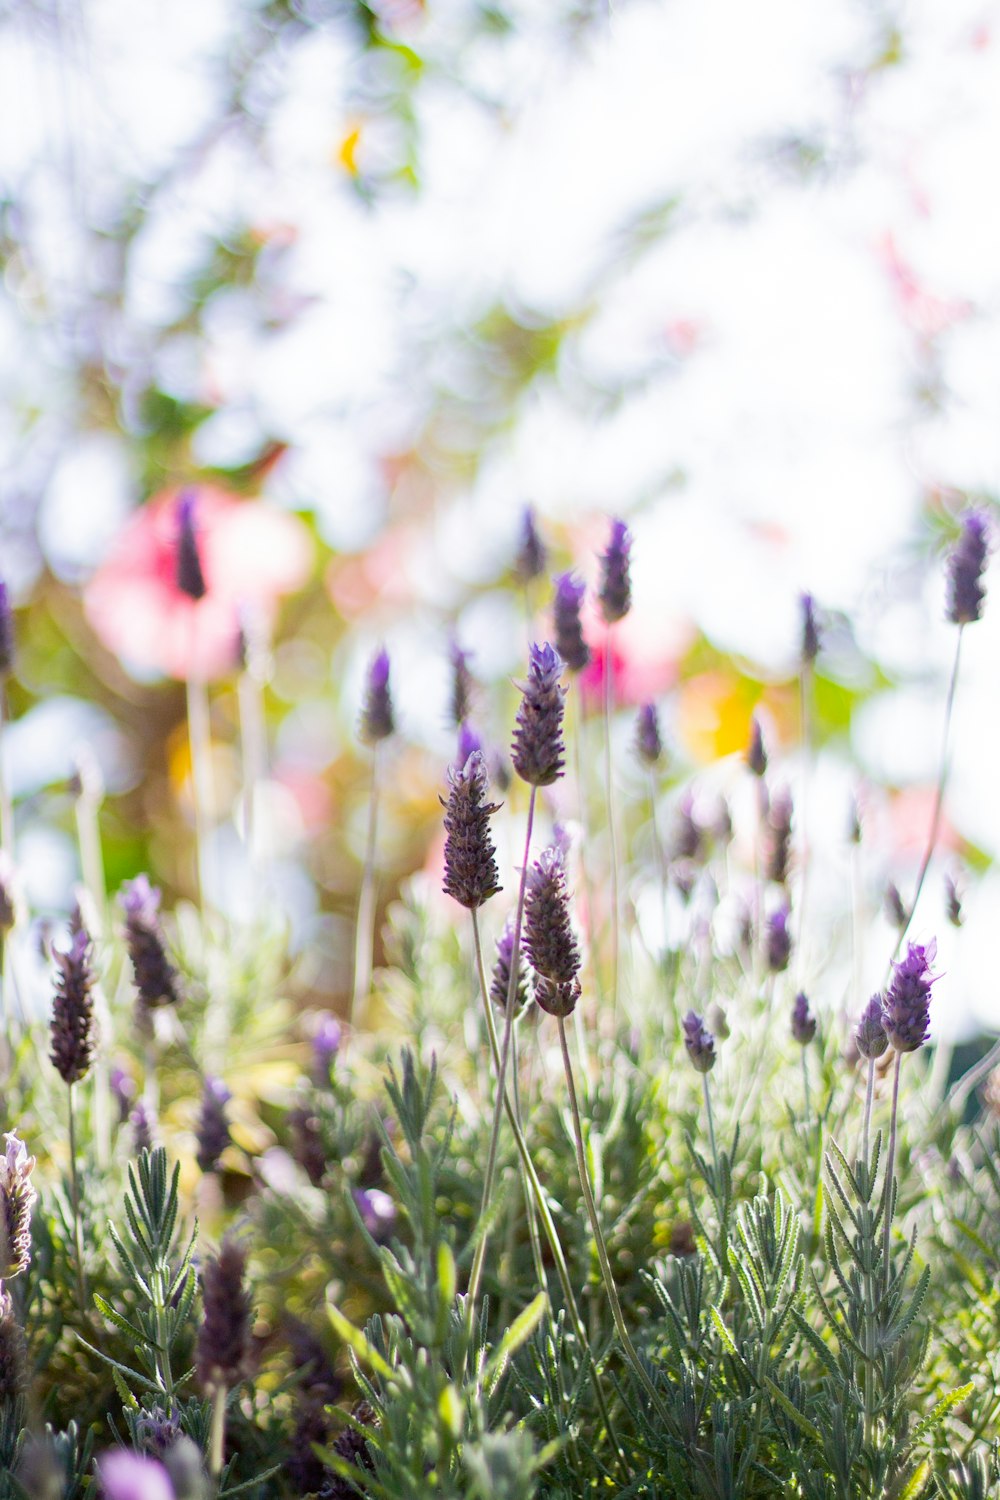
[[938, 794], [805, 1084], [364, 935], [74, 1184], [217, 1440], [711, 1123], [890, 1163], [6, 803], [869, 1095], [805, 730], [595, 1224], [253, 749], [609, 673], [200, 742], [533, 1189], [588, 888], [491, 1158]]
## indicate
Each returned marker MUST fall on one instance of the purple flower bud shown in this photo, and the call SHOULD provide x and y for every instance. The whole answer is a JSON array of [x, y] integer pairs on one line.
[[648, 742], [779, 836], [538, 751], [142, 1128], [6, 632], [73, 1030], [213, 1124], [907, 1001], [377, 718], [122, 1087], [699, 1041], [810, 629], [688, 835], [615, 591], [965, 570], [531, 558], [461, 685], [803, 1021], [17, 1198], [893, 905], [378, 1213], [566, 623], [779, 940], [127, 1476], [468, 742], [13, 1353], [500, 982], [190, 578], [548, 930], [307, 1143], [557, 997], [154, 975], [223, 1354], [756, 754], [470, 868], [854, 822], [870, 1034], [953, 902], [325, 1045]]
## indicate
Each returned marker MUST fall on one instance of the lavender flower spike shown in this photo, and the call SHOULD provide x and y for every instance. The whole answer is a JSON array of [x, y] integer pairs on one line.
[[548, 935], [810, 629], [190, 577], [648, 741], [779, 836], [154, 975], [73, 1032], [13, 1353], [699, 1041], [870, 1034], [17, 1198], [529, 563], [566, 624], [500, 982], [223, 1353], [907, 1001], [6, 632], [756, 754], [779, 940], [538, 752], [213, 1124], [470, 867], [378, 721], [803, 1021], [326, 1041], [461, 685], [965, 569], [615, 592]]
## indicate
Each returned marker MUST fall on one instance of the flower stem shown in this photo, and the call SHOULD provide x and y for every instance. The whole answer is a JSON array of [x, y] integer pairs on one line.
[[217, 1440], [869, 1094], [200, 742], [595, 1224], [609, 673], [253, 745], [711, 1123], [364, 935], [74, 1184], [889, 1165]]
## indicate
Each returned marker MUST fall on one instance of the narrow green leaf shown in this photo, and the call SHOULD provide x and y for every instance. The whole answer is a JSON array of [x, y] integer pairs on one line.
[[802, 1422], [356, 1341], [518, 1333]]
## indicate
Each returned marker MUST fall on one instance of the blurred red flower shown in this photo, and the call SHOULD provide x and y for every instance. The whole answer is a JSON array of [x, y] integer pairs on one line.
[[250, 553]]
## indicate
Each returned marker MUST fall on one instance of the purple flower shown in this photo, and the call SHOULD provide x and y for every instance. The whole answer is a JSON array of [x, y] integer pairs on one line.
[[223, 1353], [213, 1124], [538, 751], [907, 1001], [779, 940], [468, 741], [529, 563], [13, 1353], [461, 685], [17, 1198], [190, 578], [688, 834], [810, 629], [893, 904], [756, 754], [500, 982], [126, 1476], [6, 632], [378, 1212], [699, 1041], [307, 1143], [325, 1046], [615, 591], [122, 1087], [566, 624], [378, 720], [803, 1021], [155, 977], [779, 836], [648, 741], [965, 570], [870, 1034], [470, 868], [73, 1029], [548, 935]]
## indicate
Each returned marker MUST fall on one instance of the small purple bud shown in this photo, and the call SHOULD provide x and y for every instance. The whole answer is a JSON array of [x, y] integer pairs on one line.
[[213, 1124], [470, 868], [461, 685], [688, 835], [648, 742], [155, 977], [378, 1212], [893, 904], [907, 1000], [190, 578], [566, 623], [142, 1128], [538, 751], [128, 1476], [699, 1041], [73, 1032], [779, 836], [6, 632], [548, 930], [223, 1352], [307, 1143], [965, 570], [803, 1021], [810, 629], [377, 718], [14, 1374], [532, 556], [779, 940], [756, 754], [870, 1034], [468, 742], [500, 982], [615, 591]]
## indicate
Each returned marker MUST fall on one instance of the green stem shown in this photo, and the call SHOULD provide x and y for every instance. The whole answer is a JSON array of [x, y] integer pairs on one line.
[[74, 1182], [711, 1124], [602, 1249], [805, 680], [217, 1441], [364, 935], [609, 670], [805, 1084], [593, 934], [889, 1165], [869, 1094], [253, 747], [200, 742]]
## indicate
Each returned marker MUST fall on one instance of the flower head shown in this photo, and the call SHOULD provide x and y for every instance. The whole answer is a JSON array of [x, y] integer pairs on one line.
[[756, 754], [378, 1212], [190, 577], [378, 721], [326, 1041], [213, 1124], [907, 1000], [223, 1353], [538, 751], [548, 935], [953, 901], [470, 867], [779, 836], [129, 1476], [699, 1041], [461, 685], [154, 975], [893, 905], [500, 982], [566, 624], [17, 1198], [965, 570], [810, 629], [6, 632], [779, 940], [803, 1021], [73, 1031], [615, 591], [529, 563], [870, 1034], [648, 741]]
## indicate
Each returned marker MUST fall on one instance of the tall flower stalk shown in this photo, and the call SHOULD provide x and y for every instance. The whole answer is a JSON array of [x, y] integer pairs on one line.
[[615, 599], [73, 1042], [378, 723], [906, 1018], [223, 1340]]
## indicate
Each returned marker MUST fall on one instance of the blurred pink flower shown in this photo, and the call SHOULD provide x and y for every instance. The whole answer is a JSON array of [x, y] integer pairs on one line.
[[127, 1476], [250, 553]]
